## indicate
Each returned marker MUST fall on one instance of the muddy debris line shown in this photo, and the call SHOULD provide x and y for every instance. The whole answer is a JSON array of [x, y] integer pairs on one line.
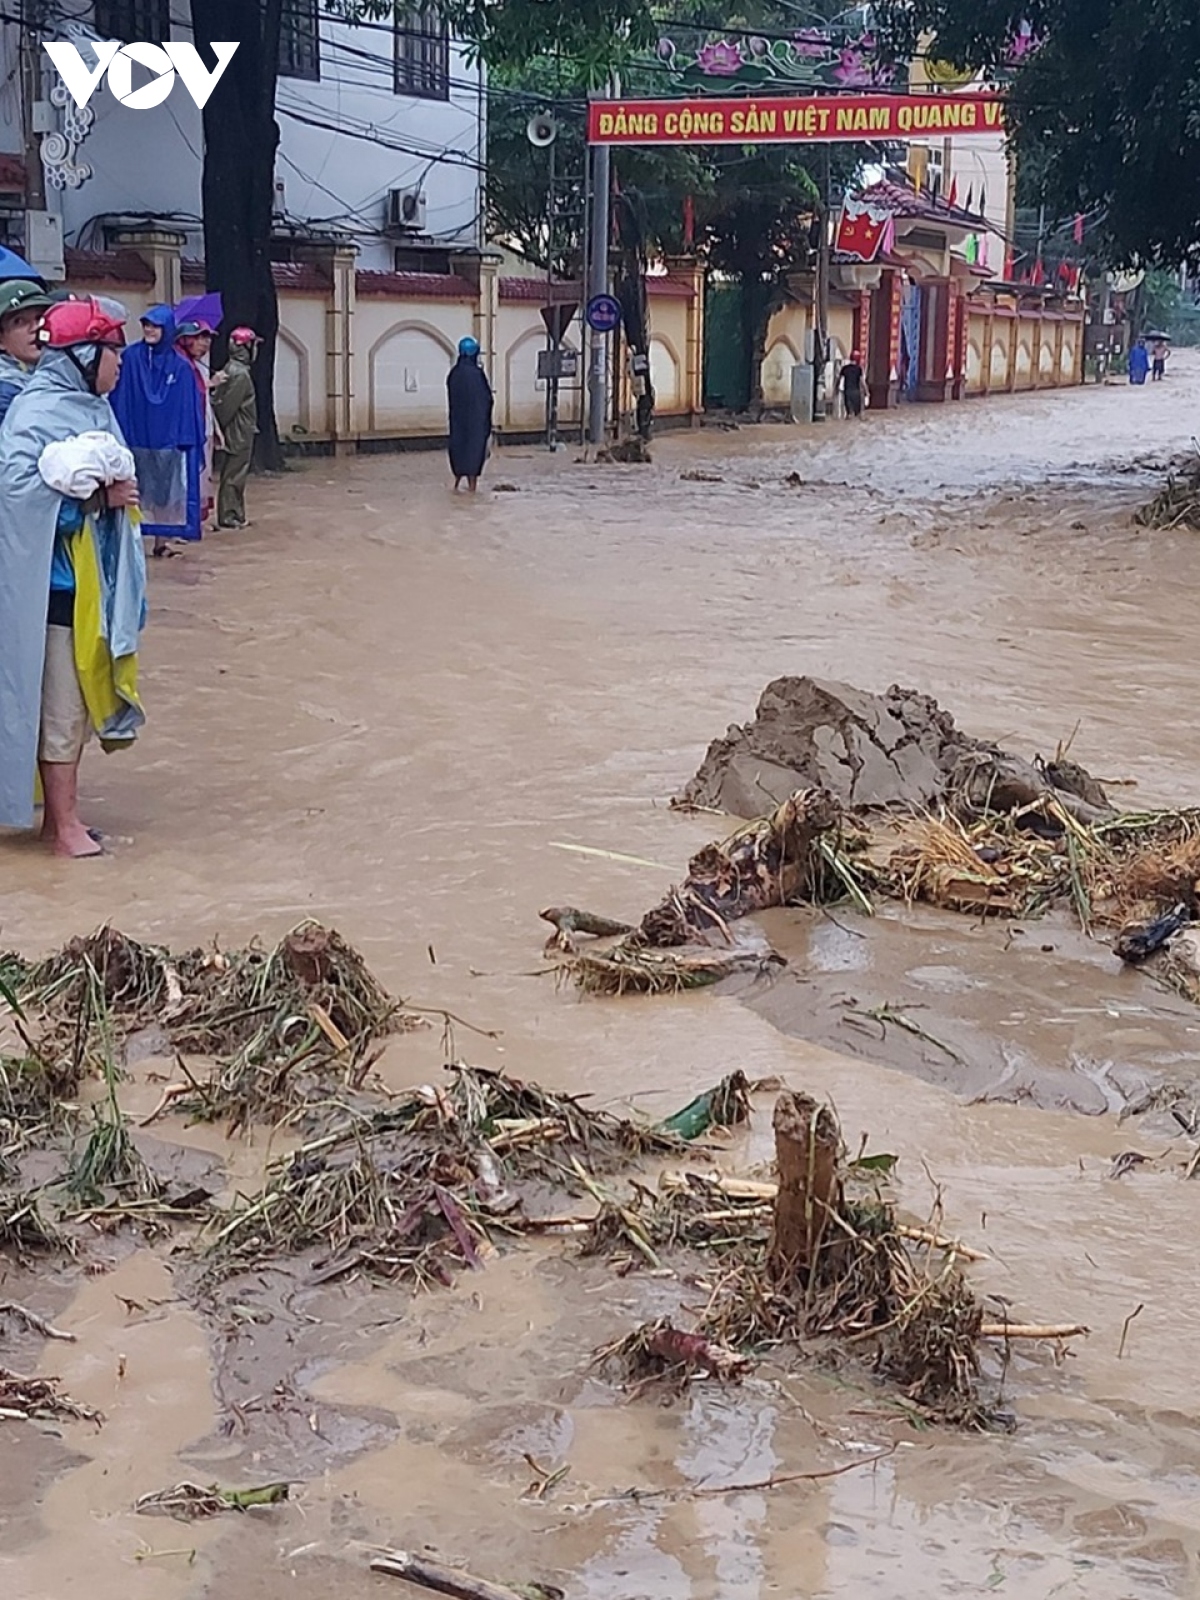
[[809, 1260]]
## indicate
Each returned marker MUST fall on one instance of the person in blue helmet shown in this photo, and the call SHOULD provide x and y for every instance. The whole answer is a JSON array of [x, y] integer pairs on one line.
[[470, 400]]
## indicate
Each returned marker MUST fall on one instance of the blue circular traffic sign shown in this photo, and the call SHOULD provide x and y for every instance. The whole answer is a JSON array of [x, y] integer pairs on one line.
[[603, 313]]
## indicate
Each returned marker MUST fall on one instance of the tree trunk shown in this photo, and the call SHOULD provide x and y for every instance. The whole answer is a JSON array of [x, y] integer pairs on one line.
[[760, 301], [241, 136], [807, 1147]]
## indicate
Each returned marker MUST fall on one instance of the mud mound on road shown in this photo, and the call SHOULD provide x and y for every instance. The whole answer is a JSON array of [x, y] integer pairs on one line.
[[870, 751]]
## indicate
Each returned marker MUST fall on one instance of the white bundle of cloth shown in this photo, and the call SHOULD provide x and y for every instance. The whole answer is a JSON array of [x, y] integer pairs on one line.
[[78, 466]]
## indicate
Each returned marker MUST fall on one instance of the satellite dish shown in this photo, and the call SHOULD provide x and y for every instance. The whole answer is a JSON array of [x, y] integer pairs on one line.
[[541, 130]]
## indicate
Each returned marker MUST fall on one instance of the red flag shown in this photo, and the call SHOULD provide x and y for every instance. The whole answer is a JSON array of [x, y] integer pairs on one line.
[[861, 228], [1079, 229], [952, 197], [1038, 275], [689, 221]]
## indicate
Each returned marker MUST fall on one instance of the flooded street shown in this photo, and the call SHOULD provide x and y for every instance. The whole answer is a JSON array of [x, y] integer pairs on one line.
[[421, 718]]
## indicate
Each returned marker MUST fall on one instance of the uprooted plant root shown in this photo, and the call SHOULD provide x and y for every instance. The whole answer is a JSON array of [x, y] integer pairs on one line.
[[815, 1268]]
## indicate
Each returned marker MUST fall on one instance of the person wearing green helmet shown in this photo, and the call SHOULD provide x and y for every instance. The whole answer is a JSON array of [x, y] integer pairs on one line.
[[22, 306]]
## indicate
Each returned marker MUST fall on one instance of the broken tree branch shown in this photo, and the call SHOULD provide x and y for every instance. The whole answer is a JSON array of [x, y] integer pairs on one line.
[[33, 1322], [441, 1579]]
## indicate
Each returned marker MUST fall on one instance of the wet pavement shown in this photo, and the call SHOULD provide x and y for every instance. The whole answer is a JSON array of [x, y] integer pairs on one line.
[[421, 718]]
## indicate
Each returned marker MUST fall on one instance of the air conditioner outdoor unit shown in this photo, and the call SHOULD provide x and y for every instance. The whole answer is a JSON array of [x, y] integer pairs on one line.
[[406, 210]]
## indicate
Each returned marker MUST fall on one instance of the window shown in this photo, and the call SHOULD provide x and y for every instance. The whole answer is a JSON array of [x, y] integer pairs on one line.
[[134, 20], [300, 40], [422, 55]]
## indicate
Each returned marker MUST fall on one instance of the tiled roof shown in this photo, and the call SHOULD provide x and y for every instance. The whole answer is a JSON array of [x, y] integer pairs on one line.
[[301, 277], [107, 266], [416, 285], [904, 201]]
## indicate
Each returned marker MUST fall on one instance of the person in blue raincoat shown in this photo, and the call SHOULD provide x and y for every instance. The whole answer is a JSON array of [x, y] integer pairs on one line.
[[470, 401], [161, 413], [72, 580], [1139, 362]]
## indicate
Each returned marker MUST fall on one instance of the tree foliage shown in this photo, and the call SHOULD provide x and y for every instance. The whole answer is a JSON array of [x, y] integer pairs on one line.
[[593, 36], [1104, 93]]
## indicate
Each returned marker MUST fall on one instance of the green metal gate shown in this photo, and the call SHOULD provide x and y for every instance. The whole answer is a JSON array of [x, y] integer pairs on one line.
[[726, 359]]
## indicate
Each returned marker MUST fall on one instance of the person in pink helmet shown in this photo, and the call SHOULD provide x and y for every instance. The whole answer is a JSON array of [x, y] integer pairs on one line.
[[236, 410]]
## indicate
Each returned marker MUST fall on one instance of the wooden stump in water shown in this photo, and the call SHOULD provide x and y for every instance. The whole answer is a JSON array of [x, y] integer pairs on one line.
[[807, 1147]]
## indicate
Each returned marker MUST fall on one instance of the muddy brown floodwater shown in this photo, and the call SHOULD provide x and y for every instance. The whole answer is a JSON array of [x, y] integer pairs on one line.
[[392, 709]]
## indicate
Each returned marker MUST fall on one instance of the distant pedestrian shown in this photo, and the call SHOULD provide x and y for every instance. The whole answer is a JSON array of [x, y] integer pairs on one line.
[[1159, 352], [161, 413], [1139, 362], [22, 305], [236, 410], [470, 400], [851, 381]]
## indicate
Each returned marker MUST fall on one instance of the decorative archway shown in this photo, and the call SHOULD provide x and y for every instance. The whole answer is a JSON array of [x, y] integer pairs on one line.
[[397, 331]]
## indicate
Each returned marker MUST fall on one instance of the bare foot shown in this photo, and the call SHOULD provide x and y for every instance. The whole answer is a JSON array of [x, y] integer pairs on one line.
[[77, 843]]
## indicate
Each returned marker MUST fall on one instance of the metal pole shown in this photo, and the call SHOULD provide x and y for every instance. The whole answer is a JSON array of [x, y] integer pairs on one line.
[[551, 342], [821, 308], [31, 84], [598, 284]]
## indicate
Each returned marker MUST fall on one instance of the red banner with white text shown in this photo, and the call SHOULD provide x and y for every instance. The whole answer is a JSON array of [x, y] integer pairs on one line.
[[796, 119]]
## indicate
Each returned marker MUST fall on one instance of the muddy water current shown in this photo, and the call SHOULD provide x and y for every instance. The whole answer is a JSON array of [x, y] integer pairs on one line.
[[421, 718]]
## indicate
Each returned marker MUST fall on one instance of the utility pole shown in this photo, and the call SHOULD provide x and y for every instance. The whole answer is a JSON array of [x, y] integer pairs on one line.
[[821, 302], [31, 94], [597, 283]]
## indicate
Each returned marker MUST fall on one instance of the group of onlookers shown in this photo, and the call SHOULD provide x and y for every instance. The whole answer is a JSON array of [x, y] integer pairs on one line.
[[100, 446]]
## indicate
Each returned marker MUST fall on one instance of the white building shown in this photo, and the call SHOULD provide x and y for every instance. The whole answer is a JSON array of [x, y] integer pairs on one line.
[[382, 133]]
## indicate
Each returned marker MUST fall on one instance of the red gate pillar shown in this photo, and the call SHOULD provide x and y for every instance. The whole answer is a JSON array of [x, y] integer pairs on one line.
[[883, 344]]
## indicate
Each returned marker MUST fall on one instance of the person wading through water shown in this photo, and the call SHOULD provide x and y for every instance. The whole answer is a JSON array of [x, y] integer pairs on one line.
[[851, 380], [22, 305], [236, 410], [72, 573], [161, 414], [470, 398]]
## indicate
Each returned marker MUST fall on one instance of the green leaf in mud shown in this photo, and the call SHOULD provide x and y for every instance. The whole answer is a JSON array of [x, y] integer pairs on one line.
[[882, 1162], [8, 994], [267, 1494]]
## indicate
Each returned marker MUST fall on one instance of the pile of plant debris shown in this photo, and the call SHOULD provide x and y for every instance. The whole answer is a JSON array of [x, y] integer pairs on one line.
[[810, 1263], [431, 1182], [281, 1032], [437, 1179], [276, 1022], [1177, 503]]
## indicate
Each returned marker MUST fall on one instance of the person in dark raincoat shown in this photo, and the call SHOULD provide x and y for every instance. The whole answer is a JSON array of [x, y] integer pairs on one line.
[[470, 397], [161, 413]]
